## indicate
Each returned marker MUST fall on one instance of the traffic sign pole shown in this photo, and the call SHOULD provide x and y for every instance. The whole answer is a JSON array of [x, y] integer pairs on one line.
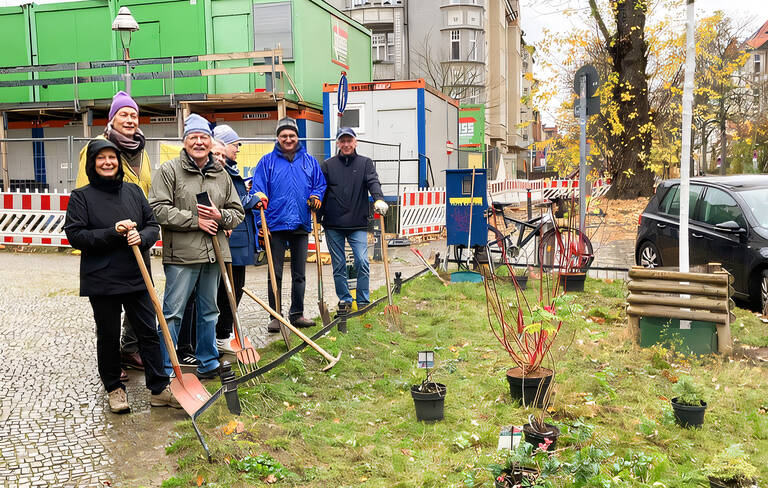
[[583, 154]]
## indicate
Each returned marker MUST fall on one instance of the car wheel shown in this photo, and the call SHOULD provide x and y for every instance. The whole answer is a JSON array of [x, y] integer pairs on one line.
[[648, 256], [764, 292]]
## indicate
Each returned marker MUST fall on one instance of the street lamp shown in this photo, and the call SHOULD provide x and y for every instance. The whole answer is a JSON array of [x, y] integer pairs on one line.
[[125, 24]]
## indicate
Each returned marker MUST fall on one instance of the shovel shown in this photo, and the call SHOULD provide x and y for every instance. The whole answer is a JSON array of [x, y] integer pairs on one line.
[[391, 312], [247, 357], [331, 360], [264, 230], [324, 313], [186, 387]]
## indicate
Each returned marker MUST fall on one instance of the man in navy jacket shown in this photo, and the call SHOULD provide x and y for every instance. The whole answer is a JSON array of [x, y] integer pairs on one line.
[[350, 178], [288, 184]]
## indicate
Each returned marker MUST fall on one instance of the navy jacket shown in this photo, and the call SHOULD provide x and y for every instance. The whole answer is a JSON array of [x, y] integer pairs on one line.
[[242, 242], [349, 180]]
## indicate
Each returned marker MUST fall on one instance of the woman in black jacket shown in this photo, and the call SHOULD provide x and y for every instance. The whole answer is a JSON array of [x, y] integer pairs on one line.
[[103, 220]]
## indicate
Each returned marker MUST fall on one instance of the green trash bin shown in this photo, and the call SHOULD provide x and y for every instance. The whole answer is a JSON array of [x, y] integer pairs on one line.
[[701, 338]]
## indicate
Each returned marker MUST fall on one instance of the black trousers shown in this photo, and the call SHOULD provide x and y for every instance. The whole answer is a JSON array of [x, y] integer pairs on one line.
[[129, 343], [297, 243], [138, 309], [187, 340], [224, 325]]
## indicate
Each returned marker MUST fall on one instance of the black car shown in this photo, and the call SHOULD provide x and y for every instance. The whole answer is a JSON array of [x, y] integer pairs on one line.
[[728, 225]]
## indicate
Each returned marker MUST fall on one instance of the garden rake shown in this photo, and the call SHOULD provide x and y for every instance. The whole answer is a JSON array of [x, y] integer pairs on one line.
[[247, 356], [391, 312]]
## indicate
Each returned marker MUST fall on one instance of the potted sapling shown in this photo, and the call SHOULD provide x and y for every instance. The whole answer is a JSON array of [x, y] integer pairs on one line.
[[687, 404], [429, 396], [730, 468]]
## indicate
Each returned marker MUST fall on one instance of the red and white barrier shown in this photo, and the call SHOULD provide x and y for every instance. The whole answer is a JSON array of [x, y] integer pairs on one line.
[[35, 219], [516, 191], [422, 211]]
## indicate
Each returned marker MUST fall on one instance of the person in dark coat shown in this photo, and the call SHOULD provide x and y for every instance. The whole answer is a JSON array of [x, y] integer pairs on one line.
[[350, 178], [242, 240], [104, 218]]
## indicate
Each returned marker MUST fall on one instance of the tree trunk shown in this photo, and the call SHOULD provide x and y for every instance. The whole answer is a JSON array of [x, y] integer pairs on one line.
[[631, 146], [723, 145]]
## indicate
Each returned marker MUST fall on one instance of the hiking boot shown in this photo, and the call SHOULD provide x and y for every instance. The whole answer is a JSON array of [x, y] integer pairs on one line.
[[302, 323], [208, 375], [362, 305], [118, 401], [123, 375], [225, 345], [132, 360], [164, 399], [274, 326]]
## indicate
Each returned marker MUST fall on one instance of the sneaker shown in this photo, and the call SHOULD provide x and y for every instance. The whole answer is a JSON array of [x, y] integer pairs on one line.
[[225, 345], [132, 360], [274, 326], [164, 399], [118, 401], [302, 323], [187, 359], [208, 375]]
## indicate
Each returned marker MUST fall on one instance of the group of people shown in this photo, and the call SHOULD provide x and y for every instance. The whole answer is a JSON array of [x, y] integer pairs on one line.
[[195, 198]]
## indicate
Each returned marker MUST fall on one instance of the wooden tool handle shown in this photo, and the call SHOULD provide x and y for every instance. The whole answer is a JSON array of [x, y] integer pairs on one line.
[[226, 277], [293, 329], [159, 311], [316, 233], [270, 264], [384, 255]]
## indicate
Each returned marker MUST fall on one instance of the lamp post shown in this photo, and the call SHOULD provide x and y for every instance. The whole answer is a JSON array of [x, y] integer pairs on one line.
[[125, 24]]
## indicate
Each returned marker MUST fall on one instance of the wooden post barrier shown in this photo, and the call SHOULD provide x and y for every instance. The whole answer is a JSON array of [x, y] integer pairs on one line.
[[668, 293]]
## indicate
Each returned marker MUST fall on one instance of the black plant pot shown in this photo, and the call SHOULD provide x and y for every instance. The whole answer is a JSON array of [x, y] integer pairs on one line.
[[515, 477], [522, 281], [573, 281], [429, 405], [533, 437], [688, 415], [524, 388]]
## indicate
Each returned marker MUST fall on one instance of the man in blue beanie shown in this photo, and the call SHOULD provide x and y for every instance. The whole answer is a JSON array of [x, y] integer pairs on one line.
[[288, 184], [188, 229]]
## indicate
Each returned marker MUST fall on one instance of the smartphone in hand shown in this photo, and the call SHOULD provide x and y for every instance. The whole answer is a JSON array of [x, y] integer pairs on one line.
[[203, 199]]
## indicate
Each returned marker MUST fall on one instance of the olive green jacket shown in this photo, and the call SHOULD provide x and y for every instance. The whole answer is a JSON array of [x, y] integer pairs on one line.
[[172, 196]]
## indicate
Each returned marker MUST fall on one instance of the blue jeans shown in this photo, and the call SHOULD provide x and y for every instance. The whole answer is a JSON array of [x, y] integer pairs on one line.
[[358, 241], [180, 280]]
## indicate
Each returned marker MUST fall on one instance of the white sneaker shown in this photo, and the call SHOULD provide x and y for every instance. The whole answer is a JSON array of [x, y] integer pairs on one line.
[[225, 345]]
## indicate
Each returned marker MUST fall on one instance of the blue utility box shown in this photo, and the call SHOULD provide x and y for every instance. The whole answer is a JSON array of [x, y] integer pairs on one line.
[[459, 193]]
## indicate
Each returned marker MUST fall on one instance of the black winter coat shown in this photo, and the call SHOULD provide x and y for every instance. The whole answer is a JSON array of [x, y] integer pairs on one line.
[[349, 180], [107, 263]]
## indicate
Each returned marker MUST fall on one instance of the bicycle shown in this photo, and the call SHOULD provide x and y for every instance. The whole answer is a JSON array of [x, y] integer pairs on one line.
[[560, 246]]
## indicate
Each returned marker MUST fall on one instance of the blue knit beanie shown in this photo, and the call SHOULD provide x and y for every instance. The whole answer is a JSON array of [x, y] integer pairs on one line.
[[195, 123], [225, 134]]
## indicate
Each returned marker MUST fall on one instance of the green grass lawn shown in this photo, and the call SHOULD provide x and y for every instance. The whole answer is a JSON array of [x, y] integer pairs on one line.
[[355, 425]]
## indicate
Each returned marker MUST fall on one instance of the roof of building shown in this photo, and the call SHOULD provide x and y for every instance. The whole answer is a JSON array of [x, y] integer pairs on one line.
[[759, 38]]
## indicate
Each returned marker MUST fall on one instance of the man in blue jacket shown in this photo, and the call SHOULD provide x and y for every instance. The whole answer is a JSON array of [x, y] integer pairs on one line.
[[288, 184], [350, 177], [242, 240]]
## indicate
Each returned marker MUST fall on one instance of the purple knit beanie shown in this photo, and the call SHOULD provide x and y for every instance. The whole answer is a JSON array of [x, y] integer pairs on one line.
[[120, 100]]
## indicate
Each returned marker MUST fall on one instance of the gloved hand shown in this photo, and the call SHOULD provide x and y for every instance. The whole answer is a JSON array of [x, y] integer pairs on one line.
[[381, 207], [314, 202], [263, 200]]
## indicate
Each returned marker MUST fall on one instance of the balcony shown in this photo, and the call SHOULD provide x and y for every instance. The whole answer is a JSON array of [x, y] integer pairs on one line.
[[383, 71], [355, 4]]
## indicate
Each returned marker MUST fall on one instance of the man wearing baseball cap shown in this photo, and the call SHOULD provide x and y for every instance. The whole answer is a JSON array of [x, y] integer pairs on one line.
[[188, 228], [242, 241], [123, 131], [350, 177], [288, 184]]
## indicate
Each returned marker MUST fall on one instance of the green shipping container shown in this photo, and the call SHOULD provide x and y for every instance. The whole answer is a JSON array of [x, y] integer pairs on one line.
[[701, 338]]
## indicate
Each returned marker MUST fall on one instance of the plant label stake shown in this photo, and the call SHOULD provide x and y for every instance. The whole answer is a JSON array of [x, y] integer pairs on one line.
[[426, 360]]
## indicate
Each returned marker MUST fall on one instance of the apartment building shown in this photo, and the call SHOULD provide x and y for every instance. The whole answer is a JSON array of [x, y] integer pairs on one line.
[[471, 50]]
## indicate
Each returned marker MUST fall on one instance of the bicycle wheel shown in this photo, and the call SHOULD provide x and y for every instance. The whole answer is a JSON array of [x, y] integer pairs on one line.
[[565, 249]]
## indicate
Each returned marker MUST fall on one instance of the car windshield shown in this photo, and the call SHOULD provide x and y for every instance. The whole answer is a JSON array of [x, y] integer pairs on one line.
[[757, 200]]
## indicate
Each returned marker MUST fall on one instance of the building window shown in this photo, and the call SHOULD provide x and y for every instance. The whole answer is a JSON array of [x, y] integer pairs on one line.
[[473, 45], [757, 64], [275, 27], [390, 46], [358, 3], [455, 45], [383, 46]]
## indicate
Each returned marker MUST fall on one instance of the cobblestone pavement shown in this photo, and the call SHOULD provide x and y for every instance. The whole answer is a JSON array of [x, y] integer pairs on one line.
[[55, 424]]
